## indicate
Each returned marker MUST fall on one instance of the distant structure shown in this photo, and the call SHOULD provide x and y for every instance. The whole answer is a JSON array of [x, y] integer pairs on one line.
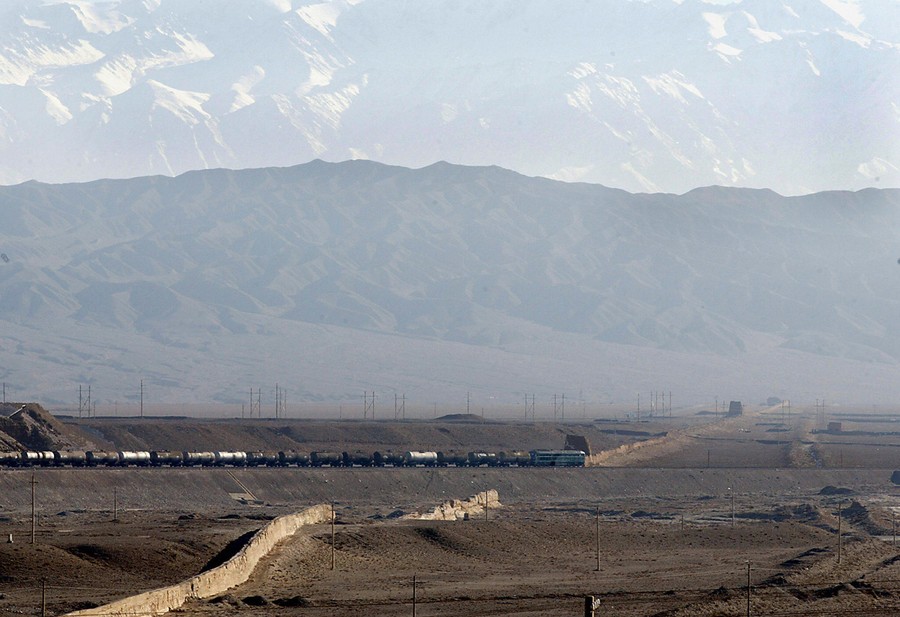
[[735, 408], [578, 442], [834, 427]]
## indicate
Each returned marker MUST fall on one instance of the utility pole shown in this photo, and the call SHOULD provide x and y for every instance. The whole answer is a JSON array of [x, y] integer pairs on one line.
[[893, 529], [367, 406], [555, 409], [563, 408], [597, 537], [33, 482], [399, 407], [142, 398], [840, 530], [332, 535], [468, 401], [414, 595], [732, 508], [748, 588]]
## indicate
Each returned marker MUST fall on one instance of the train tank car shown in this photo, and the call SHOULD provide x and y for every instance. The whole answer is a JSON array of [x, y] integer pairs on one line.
[[332, 459], [198, 459], [161, 458], [134, 458], [71, 458], [97, 458], [414, 459]]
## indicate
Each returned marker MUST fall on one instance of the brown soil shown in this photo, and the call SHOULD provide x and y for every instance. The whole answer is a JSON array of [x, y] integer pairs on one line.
[[537, 555]]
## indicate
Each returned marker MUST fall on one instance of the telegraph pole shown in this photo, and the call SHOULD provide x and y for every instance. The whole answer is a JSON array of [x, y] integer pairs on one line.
[[414, 595], [332, 535], [399, 406], [748, 589], [142, 398], [33, 482], [597, 536], [732, 508], [840, 534]]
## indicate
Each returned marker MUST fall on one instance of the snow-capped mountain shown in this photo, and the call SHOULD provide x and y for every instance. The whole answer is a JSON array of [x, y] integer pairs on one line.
[[793, 95], [334, 279]]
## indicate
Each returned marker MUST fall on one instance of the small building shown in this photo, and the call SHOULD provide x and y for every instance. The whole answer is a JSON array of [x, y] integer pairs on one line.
[[735, 408], [834, 427]]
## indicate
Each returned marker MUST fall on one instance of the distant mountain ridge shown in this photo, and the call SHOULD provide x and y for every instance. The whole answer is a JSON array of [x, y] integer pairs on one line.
[[641, 95], [331, 279]]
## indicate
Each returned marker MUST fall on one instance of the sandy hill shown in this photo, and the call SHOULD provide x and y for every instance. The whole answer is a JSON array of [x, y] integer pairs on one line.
[[30, 426]]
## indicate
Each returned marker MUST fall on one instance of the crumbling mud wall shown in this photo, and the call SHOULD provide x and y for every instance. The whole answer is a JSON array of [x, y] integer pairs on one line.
[[216, 581], [457, 509]]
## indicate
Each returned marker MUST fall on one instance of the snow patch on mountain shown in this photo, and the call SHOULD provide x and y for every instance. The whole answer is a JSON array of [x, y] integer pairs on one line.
[[323, 17], [673, 84], [100, 18], [35, 23], [242, 88], [20, 64], [606, 91], [55, 108], [849, 10], [716, 24], [186, 106], [117, 75]]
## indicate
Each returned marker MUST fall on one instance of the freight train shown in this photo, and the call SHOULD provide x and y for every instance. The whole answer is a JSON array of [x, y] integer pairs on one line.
[[410, 458]]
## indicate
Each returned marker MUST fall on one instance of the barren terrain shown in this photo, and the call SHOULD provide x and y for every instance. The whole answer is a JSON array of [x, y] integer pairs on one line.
[[679, 518]]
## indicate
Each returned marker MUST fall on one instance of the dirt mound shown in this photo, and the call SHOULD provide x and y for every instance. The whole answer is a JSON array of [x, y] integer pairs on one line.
[[461, 417], [30, 426], [859, 516], [836, 490]]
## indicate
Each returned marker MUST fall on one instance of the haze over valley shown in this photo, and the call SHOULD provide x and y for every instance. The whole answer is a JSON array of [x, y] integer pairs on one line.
[[334, 279]]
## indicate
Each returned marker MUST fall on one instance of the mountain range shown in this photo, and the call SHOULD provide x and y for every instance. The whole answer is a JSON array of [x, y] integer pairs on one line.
[[334, 279], [797, 96]]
